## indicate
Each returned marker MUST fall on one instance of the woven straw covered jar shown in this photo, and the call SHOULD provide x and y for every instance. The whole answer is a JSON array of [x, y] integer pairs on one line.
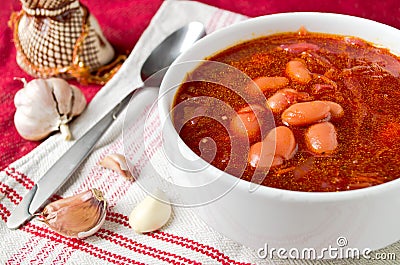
[[59, 38]]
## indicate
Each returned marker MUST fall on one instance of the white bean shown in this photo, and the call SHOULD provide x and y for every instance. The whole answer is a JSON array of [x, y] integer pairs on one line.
[[321, 138]]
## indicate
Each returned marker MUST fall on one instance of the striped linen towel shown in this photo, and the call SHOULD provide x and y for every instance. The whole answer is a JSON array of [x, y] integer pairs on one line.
[[186, 239]]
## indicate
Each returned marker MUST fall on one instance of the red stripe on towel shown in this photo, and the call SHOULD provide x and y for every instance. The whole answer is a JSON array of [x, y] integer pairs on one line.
[[19, 177]]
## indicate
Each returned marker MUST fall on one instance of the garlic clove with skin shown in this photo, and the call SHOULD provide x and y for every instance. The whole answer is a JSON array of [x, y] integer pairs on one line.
[[69, 103], [118, 163], [29, 129], [78, 216], [79, 102], [151, 214], [59, 94], [46, 105]]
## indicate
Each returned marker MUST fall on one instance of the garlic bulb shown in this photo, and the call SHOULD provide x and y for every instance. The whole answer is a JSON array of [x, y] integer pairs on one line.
[[78, 216], [150, 214], [47, 105], [118, 163]]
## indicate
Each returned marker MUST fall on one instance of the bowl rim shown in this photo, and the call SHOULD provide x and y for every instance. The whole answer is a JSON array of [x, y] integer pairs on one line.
[[266, 190]]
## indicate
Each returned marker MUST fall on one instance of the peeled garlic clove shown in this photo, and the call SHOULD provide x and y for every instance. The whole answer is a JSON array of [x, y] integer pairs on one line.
[[151, 214], [118, 163], [78, 216], [47, 105]]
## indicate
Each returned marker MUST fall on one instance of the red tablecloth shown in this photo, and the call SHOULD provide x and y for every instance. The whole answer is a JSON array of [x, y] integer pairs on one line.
[[124, 21]]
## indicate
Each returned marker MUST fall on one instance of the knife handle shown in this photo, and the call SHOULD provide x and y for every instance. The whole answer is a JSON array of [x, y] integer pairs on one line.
[[66, 165]]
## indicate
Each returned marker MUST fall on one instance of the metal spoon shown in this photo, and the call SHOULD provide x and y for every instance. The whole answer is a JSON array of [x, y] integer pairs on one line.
[[162, 56]]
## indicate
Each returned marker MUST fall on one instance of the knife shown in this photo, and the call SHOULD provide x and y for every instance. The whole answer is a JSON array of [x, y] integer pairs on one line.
[[60, 172]]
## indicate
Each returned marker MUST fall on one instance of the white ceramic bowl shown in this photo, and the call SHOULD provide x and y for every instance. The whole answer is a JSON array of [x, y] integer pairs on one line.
[[368, 218]]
